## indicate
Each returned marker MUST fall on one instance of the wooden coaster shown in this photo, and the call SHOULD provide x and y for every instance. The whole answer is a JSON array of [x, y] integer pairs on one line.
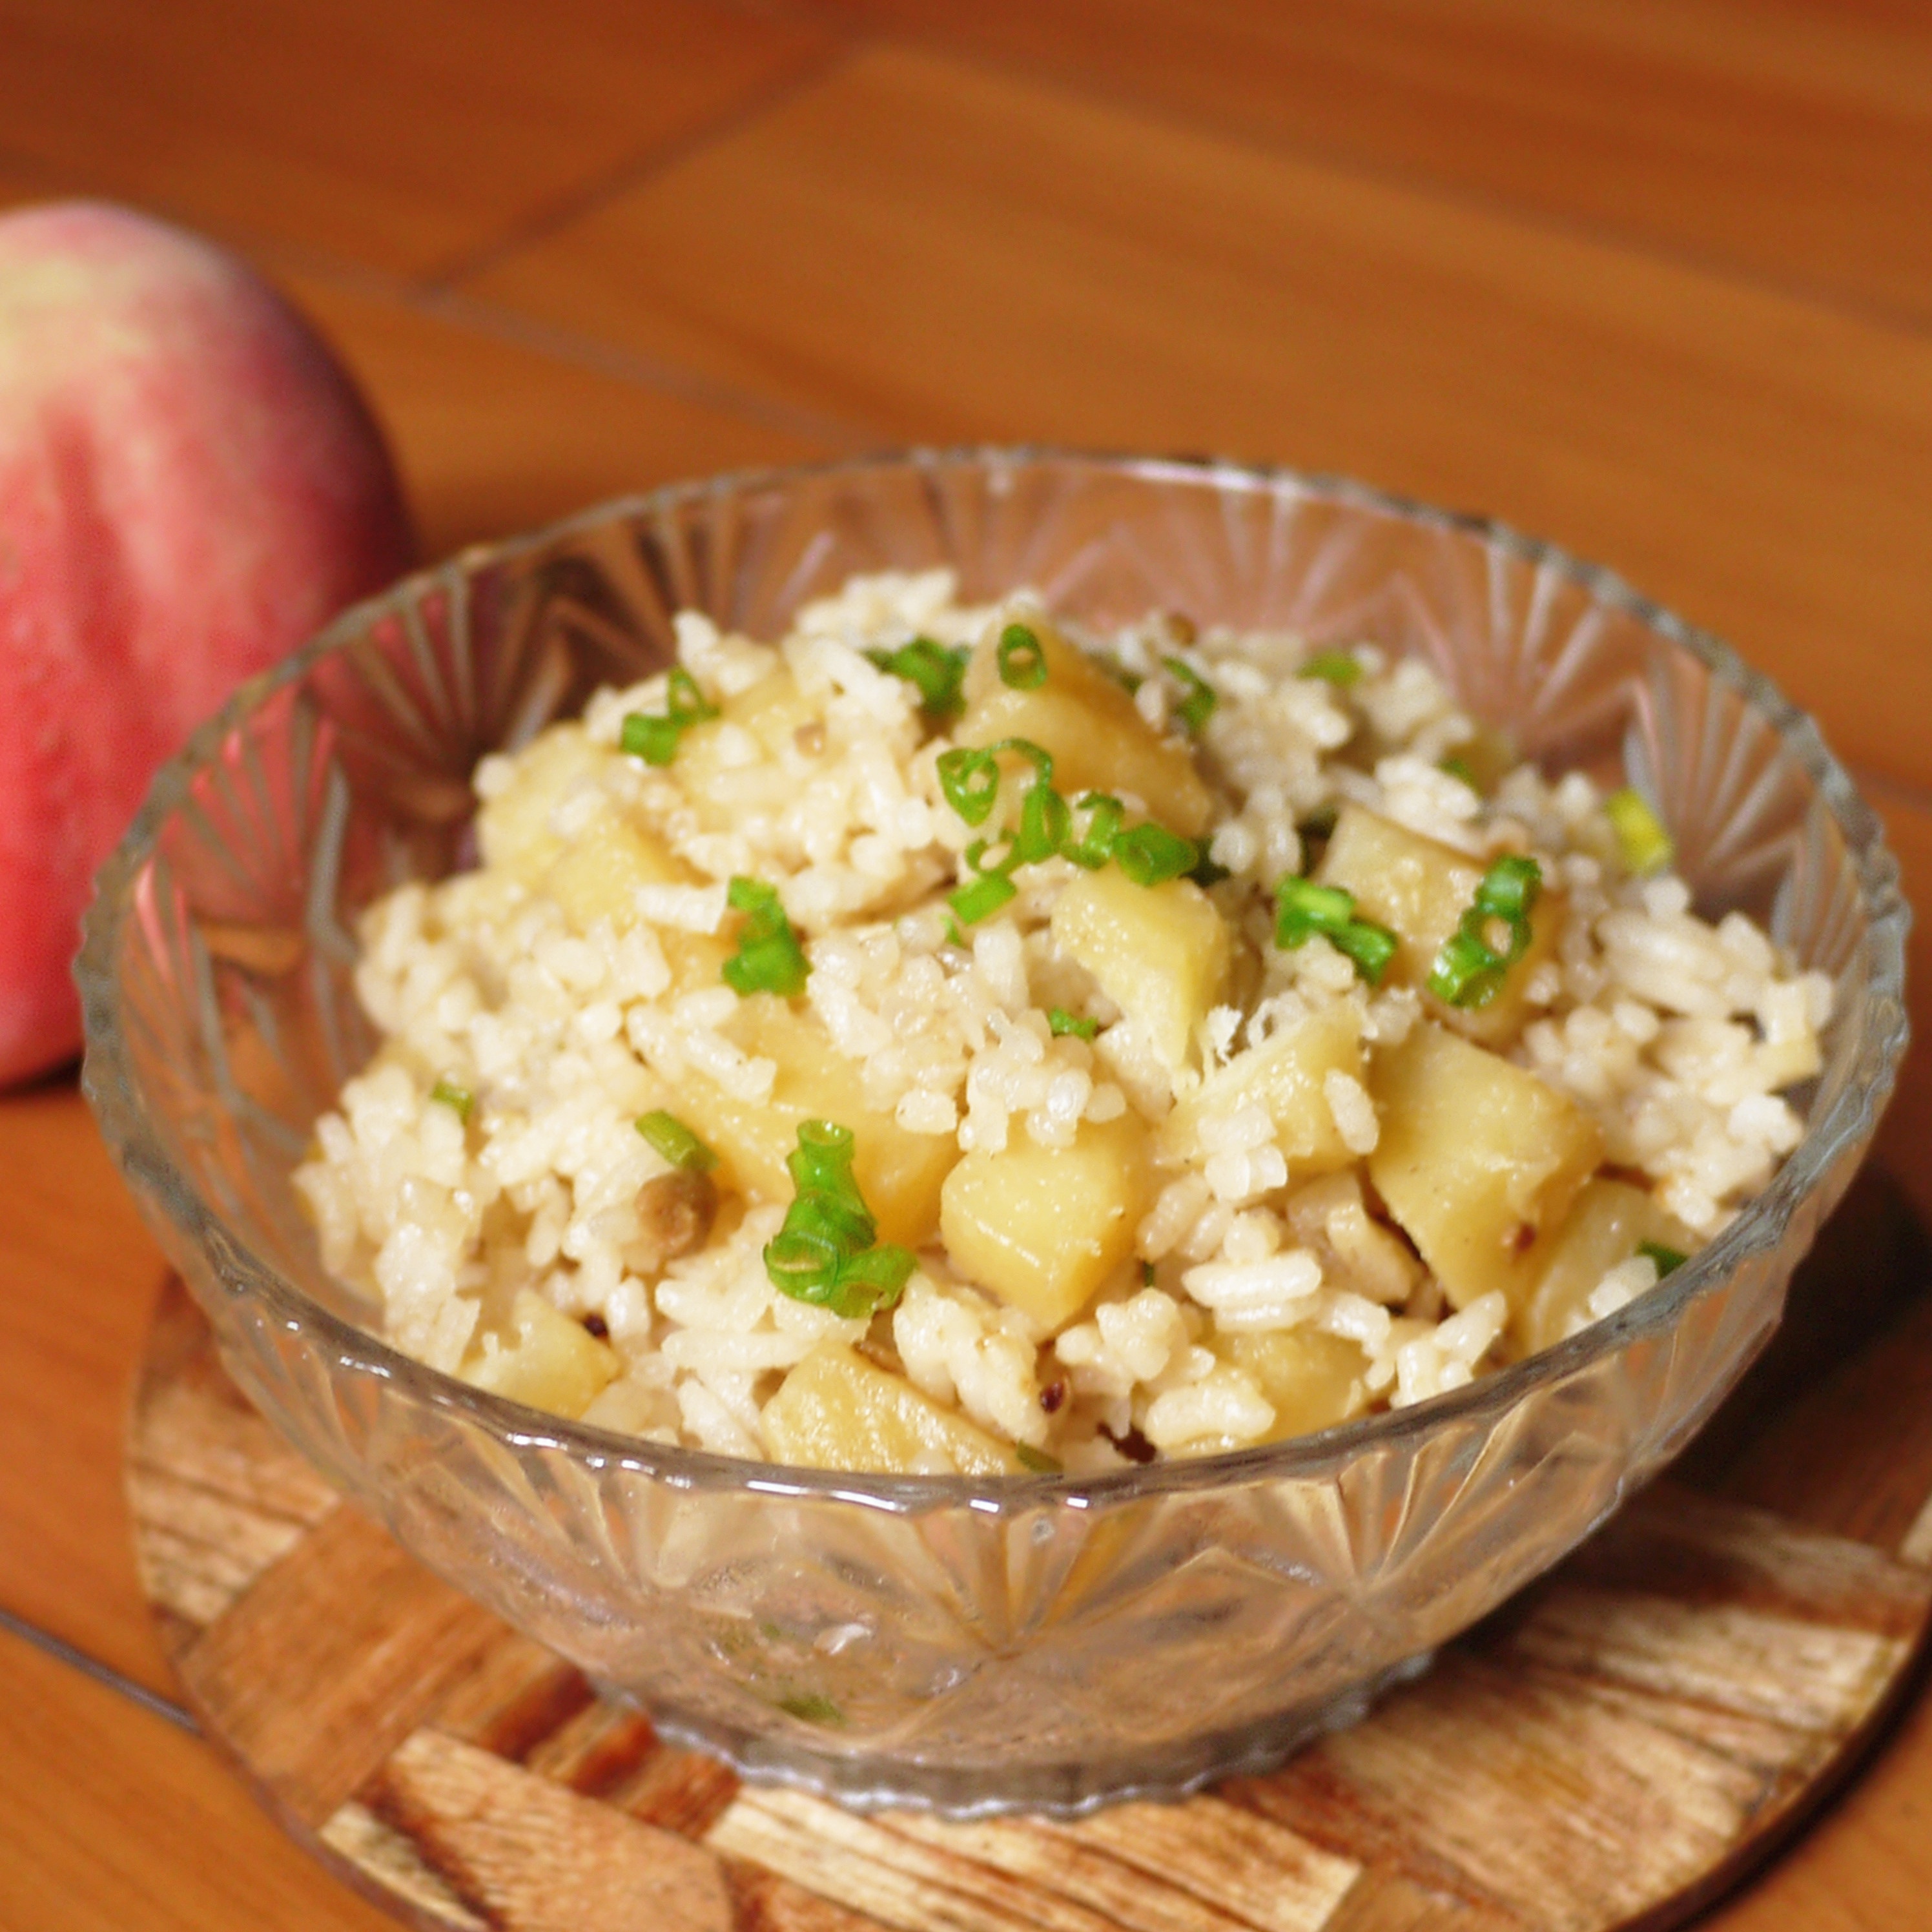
[[1612, 1750]]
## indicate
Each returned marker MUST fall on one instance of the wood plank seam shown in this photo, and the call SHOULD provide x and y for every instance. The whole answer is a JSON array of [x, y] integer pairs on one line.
[[1123, 99], [635, 169]]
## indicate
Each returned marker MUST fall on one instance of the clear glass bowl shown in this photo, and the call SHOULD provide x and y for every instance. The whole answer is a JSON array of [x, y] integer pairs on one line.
[[972, 1645]]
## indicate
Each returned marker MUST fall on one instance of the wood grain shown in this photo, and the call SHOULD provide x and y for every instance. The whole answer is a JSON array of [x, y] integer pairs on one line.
[[408, 137], [1791, 140], [1607, 1751], [944, 253]]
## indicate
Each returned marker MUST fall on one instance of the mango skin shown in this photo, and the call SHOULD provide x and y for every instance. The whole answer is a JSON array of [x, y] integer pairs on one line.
[[190, 485]]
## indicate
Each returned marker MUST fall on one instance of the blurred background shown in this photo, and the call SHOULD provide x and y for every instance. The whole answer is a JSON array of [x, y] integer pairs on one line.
[[1651, 278]]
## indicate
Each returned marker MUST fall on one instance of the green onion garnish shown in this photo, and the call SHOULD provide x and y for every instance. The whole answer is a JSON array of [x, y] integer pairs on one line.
[[1205, 871], [825, 1253], [1037, 1460], [446, 1094], [1459, 770], [1303, 909], [1046, 820], [655, 739], [1341, 668], [937, 673], [669, 1136], [1647, 847], [1060, 1022], [1147, 1274], [1665, 1259], [992, 888], [1469, 971], [814, 1708], [1197, 706], [1095, 846], [1150, 855], [969, 776], [1130, 681], [1022, 661], [769, 958]]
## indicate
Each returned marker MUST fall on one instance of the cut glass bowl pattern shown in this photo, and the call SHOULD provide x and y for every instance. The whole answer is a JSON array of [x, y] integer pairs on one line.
[[969, 1644]]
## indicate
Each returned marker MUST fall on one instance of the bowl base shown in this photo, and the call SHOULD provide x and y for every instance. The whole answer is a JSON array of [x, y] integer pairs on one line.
[[964, 1791]]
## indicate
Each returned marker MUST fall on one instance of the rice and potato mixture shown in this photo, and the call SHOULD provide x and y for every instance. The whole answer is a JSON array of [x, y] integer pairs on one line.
[[947, 1040]]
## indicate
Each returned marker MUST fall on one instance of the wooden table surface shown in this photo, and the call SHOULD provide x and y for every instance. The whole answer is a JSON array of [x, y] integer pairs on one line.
[[1653, 277]]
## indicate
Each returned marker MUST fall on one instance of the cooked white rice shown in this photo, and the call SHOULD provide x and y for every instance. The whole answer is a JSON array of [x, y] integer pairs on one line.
[[489, 1154]]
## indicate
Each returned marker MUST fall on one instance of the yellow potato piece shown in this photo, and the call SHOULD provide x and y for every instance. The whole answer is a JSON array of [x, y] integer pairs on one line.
[[1419, 889], [1284, 1075], [836, 1410], [899, 1174], [1311, 1380], [542, 1357], [1042, 1228], [711, 764], [1099, 742], [1160, 952], [1476, 1157], [1609, 1222], [597, 877], [513, 828]]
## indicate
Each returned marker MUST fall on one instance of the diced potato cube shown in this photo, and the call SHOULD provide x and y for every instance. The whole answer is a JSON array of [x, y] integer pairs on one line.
[[711, 762], [1311, 1380], [1099, 742], [1160, 952], [513, 828], [899, 1174], [1476, 1157], [542, 1357], [1286, 1074], [1042, 1228], [836, 1410], [1610, 1220], [1419, 889], [598, 876]]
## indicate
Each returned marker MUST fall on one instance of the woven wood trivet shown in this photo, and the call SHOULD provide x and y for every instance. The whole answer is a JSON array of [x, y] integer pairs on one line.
[[1611, 1750]]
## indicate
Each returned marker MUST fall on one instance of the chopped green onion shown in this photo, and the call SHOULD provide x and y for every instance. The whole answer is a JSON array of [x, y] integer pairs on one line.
[[1341, 668], [446, 1094], [1647, 847], [969, 776], [1665, 1259], [1095, 846], [1147, 1274], [937, 672], [1022, 661], [1037, 1460], [982, 896], [1197, 706], [1130, 681], [825, 1252], [814, 1708], [1205, 871], [1469, 971], [1045, 820], [1459, 768], [1304, 909], [769, 958], [1060, 1022], [655, 739], [1150, 855], [669, 1136]]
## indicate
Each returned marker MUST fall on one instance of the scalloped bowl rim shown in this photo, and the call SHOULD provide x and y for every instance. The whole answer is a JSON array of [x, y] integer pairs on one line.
[[108, 1082]]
